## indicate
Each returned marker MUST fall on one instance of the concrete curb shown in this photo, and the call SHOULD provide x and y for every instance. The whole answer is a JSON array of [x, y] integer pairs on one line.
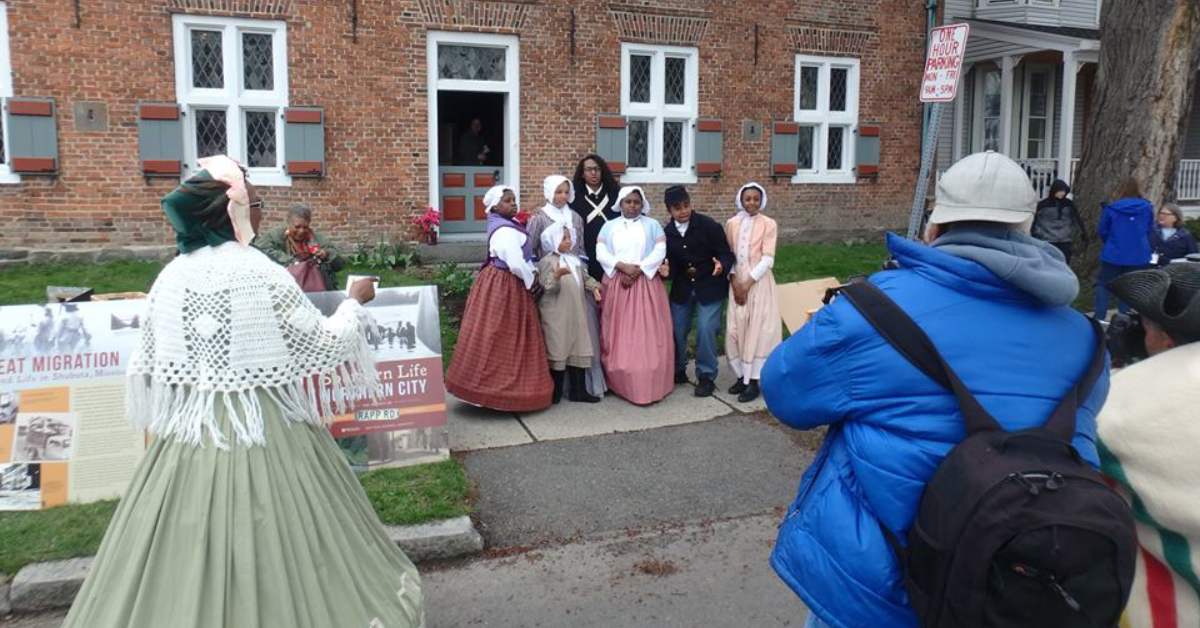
[[53, 585]]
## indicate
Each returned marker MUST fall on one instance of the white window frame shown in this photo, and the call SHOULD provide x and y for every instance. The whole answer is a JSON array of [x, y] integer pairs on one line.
[[657, 112], [7, 176], [979, 134], [1051, 78], [232, 98], [822, 118]]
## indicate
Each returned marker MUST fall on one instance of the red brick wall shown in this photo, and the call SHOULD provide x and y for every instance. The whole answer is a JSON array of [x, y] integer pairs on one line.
[[374, 94]]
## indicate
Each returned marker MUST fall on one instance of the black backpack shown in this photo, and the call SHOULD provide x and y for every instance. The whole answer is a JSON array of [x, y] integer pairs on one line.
[[1014, 528]]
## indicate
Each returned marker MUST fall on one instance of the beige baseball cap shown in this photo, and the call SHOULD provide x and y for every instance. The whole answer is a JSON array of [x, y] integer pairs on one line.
[[987, 187]]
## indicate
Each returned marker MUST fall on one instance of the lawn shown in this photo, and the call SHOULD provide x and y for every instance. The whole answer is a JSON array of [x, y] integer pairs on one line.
[[402, 496]]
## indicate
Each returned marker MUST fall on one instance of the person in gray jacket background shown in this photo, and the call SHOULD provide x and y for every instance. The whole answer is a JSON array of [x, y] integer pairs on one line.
[[1057, 219]]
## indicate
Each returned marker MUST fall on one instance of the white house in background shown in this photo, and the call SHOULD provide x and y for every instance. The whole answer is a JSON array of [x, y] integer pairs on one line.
[[1027, 87]]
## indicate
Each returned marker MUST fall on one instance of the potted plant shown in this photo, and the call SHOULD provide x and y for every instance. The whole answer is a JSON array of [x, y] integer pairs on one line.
[[428, 223]]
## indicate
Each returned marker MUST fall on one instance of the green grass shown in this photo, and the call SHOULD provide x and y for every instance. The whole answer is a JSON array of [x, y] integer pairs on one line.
[[410, 495], [27, 283], [798, 262], [403, 496]]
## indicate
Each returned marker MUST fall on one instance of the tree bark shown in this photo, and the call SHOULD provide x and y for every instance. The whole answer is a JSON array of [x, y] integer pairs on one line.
[[1149, 51]]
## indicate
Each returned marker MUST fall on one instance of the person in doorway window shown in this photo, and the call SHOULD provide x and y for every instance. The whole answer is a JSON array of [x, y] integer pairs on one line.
[[1057, 220], [472, 149], [568, 308], [1125, 227], [500, 361], [596, 201], [1171, 240], [753, 327], [308, 256], [636, 340]]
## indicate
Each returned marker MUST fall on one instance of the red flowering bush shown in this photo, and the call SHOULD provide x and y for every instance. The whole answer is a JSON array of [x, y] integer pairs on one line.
[[428, 221]]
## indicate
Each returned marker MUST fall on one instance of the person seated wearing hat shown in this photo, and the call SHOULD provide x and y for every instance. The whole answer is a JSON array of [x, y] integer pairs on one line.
[[698, 263], [1148, 435], [997, 305]]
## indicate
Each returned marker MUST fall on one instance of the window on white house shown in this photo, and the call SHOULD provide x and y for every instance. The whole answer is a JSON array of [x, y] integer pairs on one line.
[[989, 109], [6, 92], [231, 83], [827, 109], [659, 99], [1039, 112]]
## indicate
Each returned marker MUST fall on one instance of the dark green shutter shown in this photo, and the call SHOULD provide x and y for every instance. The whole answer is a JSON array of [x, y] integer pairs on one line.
[[32, 141], [866, 151], [160, 139], [612, 141], [304, 141], [710, 142], [785, 148]]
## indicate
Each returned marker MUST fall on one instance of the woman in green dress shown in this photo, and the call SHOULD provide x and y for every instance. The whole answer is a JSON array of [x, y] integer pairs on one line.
[[243, 512]]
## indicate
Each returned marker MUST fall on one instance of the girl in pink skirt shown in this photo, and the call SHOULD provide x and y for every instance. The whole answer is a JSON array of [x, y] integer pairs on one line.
[[636, 342], [753, 327]]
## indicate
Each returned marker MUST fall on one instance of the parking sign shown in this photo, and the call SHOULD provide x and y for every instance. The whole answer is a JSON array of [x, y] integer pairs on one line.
[[947, 46]]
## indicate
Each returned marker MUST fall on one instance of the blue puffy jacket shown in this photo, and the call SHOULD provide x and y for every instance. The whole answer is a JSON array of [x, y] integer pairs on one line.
[[1125, 227], [1018, 349]]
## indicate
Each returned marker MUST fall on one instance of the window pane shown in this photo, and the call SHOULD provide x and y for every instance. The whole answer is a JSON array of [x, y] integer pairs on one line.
[[833, 159], [676, 80], [672, 144], [991, 94], [207, 68], [1038, 94], [837, 89], [1037, 128], [1034, 149], [808, 87], [474, 63], [991, 134], [258, 69], [808, 136], [639, 78], [260, 139], [210, 133], [639, 143]]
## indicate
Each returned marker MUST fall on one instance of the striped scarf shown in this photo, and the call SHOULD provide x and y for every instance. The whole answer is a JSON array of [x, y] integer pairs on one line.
[[1149, 436]]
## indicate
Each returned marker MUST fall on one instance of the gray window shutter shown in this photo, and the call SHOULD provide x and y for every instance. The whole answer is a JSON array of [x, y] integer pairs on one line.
[[709, 146], [785, 148], [160, 139], [32, 136], [304, 141], [866, 153], [612, 141]]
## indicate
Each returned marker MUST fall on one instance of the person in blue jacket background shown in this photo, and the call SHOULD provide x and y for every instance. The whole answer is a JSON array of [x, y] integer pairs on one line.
[[996, 302], [1126, 225]]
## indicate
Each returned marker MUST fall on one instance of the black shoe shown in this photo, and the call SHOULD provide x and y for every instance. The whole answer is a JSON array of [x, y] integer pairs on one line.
[[557, 376], [751, 392], [705, 388], [737, 388], [681, 377], [579, 386]]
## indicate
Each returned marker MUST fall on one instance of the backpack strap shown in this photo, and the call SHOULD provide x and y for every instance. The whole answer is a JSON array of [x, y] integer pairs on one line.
[[899, 329], [1062, 421]]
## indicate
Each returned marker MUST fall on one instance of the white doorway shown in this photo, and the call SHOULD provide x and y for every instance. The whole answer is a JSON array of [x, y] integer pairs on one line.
[[474, 87]]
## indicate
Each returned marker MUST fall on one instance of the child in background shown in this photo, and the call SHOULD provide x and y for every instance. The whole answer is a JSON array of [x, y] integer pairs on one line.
[[753, 327]]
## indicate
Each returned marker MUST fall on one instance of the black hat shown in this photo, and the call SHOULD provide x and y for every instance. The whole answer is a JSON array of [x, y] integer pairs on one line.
[[675, 195], [1169, 296]]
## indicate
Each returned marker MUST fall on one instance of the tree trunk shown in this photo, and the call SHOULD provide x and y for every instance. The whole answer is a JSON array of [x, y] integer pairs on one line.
[[1149, 51]]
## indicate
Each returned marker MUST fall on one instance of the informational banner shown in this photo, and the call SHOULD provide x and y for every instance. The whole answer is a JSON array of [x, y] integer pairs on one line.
[[64, 436], [406, 424], [947, 47]]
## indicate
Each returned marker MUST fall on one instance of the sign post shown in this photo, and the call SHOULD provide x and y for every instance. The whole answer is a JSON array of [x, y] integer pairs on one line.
[[947, 47]]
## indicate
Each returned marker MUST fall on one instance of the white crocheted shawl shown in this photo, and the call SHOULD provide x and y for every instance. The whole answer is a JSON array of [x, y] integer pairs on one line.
[[226, 325]]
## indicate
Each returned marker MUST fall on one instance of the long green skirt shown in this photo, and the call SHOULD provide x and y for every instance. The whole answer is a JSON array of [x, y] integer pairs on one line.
[[249, 537]]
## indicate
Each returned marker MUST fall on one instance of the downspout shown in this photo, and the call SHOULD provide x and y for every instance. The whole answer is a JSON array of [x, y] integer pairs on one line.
[[931, 7]]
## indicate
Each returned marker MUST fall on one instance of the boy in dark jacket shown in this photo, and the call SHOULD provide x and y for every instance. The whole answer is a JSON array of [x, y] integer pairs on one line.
[[1057, 219], [698, 263]]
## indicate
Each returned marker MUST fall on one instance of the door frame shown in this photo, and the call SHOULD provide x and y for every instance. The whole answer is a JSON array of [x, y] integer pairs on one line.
[[512, 105]]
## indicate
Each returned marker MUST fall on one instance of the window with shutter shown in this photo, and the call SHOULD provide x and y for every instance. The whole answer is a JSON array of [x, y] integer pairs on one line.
[[659, 97], [231, 84], [826, 112]]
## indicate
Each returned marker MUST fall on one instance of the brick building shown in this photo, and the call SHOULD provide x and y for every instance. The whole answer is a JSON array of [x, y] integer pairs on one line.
[[360, 107]]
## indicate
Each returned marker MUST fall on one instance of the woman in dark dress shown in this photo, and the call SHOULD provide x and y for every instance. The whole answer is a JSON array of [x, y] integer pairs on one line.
[[595, 199]]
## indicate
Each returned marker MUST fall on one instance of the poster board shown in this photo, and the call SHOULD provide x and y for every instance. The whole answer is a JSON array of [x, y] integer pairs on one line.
[[800, 299], [64, 435]]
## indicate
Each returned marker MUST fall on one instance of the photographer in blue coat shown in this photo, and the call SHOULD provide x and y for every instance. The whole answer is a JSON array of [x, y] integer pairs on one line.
[[996, 303]]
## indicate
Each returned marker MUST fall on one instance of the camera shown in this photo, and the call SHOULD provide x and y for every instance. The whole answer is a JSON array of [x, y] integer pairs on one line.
[[1126, 339]]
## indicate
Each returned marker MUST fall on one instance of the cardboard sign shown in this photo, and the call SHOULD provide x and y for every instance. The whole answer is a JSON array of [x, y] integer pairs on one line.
[[947, 47], [800, 300]]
